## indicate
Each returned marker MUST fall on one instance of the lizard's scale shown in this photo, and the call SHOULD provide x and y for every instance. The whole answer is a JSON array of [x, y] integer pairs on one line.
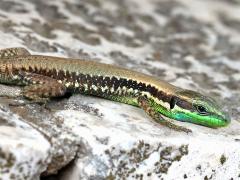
[[46, 76], [94, 78]]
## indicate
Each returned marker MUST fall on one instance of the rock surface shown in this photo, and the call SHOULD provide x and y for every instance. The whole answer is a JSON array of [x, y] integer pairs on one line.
[[191, 44]]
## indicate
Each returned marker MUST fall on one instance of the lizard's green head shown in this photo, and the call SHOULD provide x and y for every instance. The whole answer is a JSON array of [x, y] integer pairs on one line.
[[193, 107]]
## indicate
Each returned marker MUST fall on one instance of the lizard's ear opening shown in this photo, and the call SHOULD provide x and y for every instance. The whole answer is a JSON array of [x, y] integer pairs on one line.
[[173, 102]]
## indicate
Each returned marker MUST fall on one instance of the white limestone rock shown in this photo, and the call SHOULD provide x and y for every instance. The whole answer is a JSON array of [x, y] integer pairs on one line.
[[24, 152]]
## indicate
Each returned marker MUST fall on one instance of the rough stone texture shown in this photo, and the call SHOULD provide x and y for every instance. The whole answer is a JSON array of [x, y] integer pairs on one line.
[[24, 152], [192, 44]]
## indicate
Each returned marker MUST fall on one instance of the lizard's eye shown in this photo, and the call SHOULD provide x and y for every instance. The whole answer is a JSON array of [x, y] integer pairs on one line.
[[202, 110]]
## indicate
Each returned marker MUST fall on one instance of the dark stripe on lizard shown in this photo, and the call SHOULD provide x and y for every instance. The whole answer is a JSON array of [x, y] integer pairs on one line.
[[109, 82]]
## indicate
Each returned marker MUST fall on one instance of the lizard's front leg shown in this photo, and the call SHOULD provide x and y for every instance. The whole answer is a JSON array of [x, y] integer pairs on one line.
[[156, 116]]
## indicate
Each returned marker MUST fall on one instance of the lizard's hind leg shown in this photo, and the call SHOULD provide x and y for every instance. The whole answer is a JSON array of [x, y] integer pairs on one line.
[[156, 116], [41, 88]]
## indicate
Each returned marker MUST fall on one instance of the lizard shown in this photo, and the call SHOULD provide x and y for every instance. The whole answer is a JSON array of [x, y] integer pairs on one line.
[[45, 77]]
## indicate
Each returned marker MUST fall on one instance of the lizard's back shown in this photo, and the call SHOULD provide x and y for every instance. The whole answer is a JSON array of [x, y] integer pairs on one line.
[[91, 77], [36, 62]]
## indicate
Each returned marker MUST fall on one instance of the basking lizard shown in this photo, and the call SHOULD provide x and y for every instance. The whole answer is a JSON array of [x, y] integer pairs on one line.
[[44, 77]]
